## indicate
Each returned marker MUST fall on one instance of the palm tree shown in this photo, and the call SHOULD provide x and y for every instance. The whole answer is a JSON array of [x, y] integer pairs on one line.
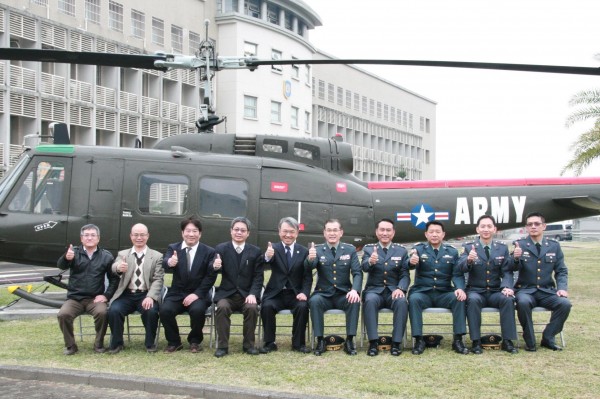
[[587, 147]]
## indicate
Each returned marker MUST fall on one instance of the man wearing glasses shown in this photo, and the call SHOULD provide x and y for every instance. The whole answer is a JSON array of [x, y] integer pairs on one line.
[[89, 265], [241, 265], [335, 262], [538, 258], [141, 282]]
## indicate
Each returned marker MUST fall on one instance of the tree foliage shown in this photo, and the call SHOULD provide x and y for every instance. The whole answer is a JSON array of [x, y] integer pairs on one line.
[[587, 147]]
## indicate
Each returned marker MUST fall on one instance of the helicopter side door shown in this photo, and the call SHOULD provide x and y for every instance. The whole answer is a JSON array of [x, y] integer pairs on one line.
[[35, 213]]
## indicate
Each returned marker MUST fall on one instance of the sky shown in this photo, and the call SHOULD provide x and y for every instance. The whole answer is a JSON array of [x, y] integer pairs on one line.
[[502, 124]]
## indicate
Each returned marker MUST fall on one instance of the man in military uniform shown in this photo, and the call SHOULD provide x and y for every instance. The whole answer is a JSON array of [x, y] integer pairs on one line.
[[537, 258], [490, 283], [387, 284], [335, 263], [438, 283]]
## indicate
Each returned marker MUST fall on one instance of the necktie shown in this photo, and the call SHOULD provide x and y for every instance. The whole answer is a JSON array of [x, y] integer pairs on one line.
[[333, 251], [437, 251], [385, 250], [539, 247], [238, 250], [487, 251], [288, 256], [138, 270], [189, 258]]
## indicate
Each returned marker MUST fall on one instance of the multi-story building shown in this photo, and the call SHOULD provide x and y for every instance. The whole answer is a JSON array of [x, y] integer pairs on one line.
[[392, 129]]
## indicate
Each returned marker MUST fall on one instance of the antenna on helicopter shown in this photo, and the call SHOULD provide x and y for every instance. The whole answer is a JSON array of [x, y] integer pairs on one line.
[[208, 119]]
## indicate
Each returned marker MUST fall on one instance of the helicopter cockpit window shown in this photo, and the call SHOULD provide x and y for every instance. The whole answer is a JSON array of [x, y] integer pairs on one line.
[[163, 194], [41, 191], [306, 151], [223, 198]]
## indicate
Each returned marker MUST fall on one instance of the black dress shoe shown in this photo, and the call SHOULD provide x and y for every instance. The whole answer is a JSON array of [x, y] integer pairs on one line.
[[173, 348], [396, 349], [349, 347], [419, 346], [320, 348], [550, 345], [530, 348], [476, 348], [152, 349], [302, 349], [71, 350], [270, 347], [195, 348], [251, 351], [116, 349], [221, 352], [99, 349], [459, 347], [508, 346], [373, 351]]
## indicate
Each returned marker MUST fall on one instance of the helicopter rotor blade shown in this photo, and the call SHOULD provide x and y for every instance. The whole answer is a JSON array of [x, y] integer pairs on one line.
[[144, 61], [573, 70]]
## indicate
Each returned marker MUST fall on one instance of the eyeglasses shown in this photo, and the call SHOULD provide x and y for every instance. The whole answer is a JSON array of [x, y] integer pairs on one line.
[[138, 235], [238, 230], [536, 224], [88, 235]]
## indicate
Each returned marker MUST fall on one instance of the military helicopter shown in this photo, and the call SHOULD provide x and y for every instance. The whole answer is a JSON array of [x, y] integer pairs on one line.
[[56, 188]]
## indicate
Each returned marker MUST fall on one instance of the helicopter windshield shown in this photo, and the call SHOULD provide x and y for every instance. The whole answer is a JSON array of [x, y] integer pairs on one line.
[[12, 176]]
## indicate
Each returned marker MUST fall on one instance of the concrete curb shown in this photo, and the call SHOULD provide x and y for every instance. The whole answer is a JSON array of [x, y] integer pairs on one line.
[[144, 384]]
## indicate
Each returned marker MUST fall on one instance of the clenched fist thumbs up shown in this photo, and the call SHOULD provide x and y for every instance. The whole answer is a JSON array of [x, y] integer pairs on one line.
[[172, 262], [414, 257], [518, 251], [374, 257], [70, 253], [270, 251], [312, 252], [217, 263], [472, 255], [122, 268]]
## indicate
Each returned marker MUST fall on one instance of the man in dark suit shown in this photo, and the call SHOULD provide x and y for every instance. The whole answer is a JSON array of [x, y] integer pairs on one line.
[[387, 285], [438, 283], [241, 265], [538, 258], [189, 262], [490, 283], [288, 287], [140, 288], [335, 263]]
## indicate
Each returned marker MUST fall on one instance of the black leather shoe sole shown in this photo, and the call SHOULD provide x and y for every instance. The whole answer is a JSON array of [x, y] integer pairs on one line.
[[372, 352], [221, 352], [302, 349], [549, 345]]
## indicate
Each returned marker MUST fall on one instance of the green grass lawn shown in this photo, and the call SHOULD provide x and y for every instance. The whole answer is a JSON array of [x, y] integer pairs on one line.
[[438, 373]]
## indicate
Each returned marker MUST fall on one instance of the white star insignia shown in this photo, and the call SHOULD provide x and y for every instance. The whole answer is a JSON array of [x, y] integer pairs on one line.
[[422, 216]]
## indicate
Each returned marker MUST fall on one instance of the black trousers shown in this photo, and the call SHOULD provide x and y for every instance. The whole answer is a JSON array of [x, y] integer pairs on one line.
[[286, 299]]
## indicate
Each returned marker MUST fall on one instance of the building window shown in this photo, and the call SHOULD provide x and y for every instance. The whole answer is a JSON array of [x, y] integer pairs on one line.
[[41, 2], [404, 118], [356, 102], [393, 115], [307, 121], [176, 39], [67, 7], [330, 92], [340, 96], [294, 117], [250, 49], [115, 16], [92, 11], [378, 109], [228, 5], [295, 70], [138, 24], [421, 124], [307, 71], [427, 157], [273, 13], [371, 107], [365, 110], [427, 125], [348, 99], [276, 55], [158, 31], [252, 8], [195, 41], [250, 107], [289, 21], [410, 122], [386, 112], [321, 89], [275, 112]]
